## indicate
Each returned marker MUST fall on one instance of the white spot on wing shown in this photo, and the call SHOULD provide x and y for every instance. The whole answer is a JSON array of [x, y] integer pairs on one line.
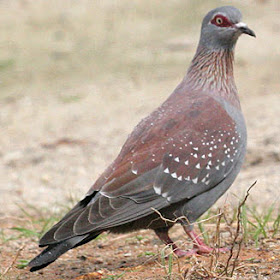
[[207, 182], [157, 190], [164, 194], [195, 180], [177, 159], [166, 170]]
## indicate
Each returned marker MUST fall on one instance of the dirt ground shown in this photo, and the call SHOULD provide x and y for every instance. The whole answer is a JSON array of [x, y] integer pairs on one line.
[[76, 77]]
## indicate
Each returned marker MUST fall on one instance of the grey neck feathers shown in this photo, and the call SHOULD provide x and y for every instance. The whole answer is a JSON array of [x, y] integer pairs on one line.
[[211, 71]]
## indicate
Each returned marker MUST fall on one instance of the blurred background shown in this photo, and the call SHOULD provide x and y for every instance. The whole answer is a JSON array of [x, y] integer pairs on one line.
[[77, 76]]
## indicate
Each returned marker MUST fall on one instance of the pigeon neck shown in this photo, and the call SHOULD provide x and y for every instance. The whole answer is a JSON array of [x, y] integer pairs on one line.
[[212, 71]]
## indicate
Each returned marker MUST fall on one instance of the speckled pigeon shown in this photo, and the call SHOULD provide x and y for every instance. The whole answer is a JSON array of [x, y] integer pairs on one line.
[[177, 161]]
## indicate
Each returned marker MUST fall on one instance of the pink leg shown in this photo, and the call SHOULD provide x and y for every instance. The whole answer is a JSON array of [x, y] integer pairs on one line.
[[199, 247], [164, 237]]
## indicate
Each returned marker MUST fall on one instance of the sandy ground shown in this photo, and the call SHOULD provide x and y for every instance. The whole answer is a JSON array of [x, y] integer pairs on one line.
[[76, 78], [38, 166]]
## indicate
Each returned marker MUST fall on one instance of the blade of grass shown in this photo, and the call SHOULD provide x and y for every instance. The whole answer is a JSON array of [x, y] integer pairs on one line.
[[276, 226], [25, 232], [244, 221], [204, 233], [170, 265]]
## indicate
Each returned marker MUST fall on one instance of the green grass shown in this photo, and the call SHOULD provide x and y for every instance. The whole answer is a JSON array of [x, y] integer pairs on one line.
[[113, 277], [167, 263], [255, 227], [25, 232], [256, 224], [40, 222], [261, 225], [146, 253], [139, 237], [135, 239], [33, 224], [276, 226], [22, 263]]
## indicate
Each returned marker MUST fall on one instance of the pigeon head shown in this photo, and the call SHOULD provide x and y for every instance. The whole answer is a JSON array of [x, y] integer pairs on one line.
[[221, 28]]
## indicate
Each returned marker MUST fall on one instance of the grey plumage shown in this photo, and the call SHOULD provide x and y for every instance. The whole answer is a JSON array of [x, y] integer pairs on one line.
[[215, 38]]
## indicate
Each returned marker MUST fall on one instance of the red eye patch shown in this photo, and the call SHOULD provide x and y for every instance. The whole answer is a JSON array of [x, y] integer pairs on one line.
[[221, 21]]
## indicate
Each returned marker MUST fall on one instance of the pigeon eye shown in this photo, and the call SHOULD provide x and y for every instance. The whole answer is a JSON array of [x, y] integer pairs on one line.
[[219, 20]]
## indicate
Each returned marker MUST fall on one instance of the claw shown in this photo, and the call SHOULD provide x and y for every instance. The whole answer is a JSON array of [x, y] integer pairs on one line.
[[199, 246]]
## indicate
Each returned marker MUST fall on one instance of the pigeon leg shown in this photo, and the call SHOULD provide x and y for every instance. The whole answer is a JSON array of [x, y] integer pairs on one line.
[[162, 234], [199, 247]]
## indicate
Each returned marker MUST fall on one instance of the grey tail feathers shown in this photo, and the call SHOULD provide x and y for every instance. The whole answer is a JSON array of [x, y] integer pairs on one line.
[[53, 251]]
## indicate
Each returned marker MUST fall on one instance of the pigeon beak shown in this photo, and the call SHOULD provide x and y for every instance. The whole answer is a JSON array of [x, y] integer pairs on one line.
[[245, 29]]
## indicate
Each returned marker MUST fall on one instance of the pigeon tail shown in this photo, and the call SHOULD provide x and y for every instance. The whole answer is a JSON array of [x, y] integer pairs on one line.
[[53, 251]]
